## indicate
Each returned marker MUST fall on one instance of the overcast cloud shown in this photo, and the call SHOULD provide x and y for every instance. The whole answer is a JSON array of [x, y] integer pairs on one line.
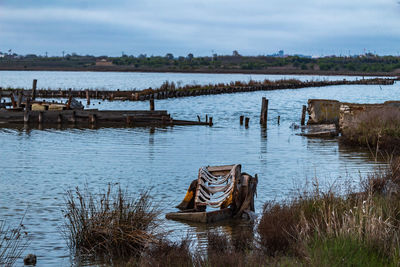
[[252, 27]]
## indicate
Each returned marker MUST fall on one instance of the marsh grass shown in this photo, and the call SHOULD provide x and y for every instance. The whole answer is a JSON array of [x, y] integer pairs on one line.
[[109, 225], [330, 224], [13, 242], [378, 129]]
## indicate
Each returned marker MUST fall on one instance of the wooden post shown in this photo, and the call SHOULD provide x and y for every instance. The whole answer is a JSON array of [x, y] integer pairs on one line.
[[279, 119], [241, 119], [34, 89], [246, 122], [28, 104], [19, 99], [210, 123], [303, 115], [206, 118], [87, 98], [198, 118], [264, 112], [26, 117], [40, 118], [14, 104], [97, 94], [92, 119], [151, 103]]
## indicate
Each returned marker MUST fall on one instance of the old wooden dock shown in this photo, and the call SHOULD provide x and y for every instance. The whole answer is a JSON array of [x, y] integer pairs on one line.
[[92, 117]]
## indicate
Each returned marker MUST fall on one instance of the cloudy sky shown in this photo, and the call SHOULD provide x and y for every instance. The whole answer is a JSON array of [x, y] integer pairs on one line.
[[201, 27]]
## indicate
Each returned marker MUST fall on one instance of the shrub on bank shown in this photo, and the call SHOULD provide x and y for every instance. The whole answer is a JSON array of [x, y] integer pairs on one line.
[[378, 129], [109, 225]]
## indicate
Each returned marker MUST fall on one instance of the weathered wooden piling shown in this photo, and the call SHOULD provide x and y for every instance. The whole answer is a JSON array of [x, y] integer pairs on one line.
[[303, 115], [87, 98], [28, 104], [246, 122], [152, 104], [279, 119], [210, 122], [19, 101], [264, 112], [40, 118], [14, 104], [241, 119], [206, 118], [26, 117], [34, 84], [198, 118], [92, 118]]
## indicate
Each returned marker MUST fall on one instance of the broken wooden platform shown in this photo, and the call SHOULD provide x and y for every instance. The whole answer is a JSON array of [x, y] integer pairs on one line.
[[319, 130], [91, 117]]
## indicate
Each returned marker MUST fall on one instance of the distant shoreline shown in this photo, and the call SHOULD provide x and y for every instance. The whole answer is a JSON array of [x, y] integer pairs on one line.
[[200, 71]]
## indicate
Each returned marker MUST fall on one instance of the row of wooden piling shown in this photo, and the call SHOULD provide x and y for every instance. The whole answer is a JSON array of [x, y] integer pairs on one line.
[[147, 94], [264, 115]]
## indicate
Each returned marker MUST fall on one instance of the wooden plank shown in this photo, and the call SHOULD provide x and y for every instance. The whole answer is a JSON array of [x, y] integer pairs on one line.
[[220, 168], [201, 217]]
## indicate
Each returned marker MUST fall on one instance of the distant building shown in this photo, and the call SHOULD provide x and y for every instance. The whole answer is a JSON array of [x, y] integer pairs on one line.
[[103, 62]]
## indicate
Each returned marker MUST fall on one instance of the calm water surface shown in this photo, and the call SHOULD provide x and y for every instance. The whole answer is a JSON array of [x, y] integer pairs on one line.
[[38, 166], [132, 80]]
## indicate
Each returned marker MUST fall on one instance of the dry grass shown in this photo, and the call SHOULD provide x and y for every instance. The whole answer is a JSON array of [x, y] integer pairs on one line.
[[370, 218], [109, 225], [378, 129], [13, 242]]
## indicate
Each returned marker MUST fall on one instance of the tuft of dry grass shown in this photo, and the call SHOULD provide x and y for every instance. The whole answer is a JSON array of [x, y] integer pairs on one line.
[[109, 225], [13, 242]]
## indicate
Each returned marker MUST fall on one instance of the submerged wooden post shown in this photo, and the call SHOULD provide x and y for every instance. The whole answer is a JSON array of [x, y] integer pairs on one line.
[[206, 118], [210, 123], [152, 104], [87, 97], [241, 119], [303, 115], [246, 122], [34, 84], [279, 119], [264, 112], [198, 118]]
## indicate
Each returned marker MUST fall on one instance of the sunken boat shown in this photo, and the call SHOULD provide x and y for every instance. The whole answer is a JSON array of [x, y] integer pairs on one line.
[[226, 189]]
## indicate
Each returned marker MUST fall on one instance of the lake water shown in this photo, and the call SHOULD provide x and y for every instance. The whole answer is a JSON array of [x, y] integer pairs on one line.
[[37, 167], [132, 80]]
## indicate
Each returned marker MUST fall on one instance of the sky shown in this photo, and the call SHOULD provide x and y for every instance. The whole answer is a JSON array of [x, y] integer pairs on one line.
[[201, 27]]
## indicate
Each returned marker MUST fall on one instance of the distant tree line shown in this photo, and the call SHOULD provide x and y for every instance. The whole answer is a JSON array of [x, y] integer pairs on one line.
[[368, 63]]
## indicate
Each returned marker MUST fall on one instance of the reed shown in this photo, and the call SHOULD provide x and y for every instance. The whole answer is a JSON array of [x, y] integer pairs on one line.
[[109, 225], [13, 242]]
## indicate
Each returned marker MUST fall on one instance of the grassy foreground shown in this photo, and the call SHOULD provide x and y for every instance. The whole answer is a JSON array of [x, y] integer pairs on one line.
[[339, 227]]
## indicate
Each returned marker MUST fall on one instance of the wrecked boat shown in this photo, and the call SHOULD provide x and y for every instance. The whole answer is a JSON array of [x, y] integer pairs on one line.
[[225, 188]]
